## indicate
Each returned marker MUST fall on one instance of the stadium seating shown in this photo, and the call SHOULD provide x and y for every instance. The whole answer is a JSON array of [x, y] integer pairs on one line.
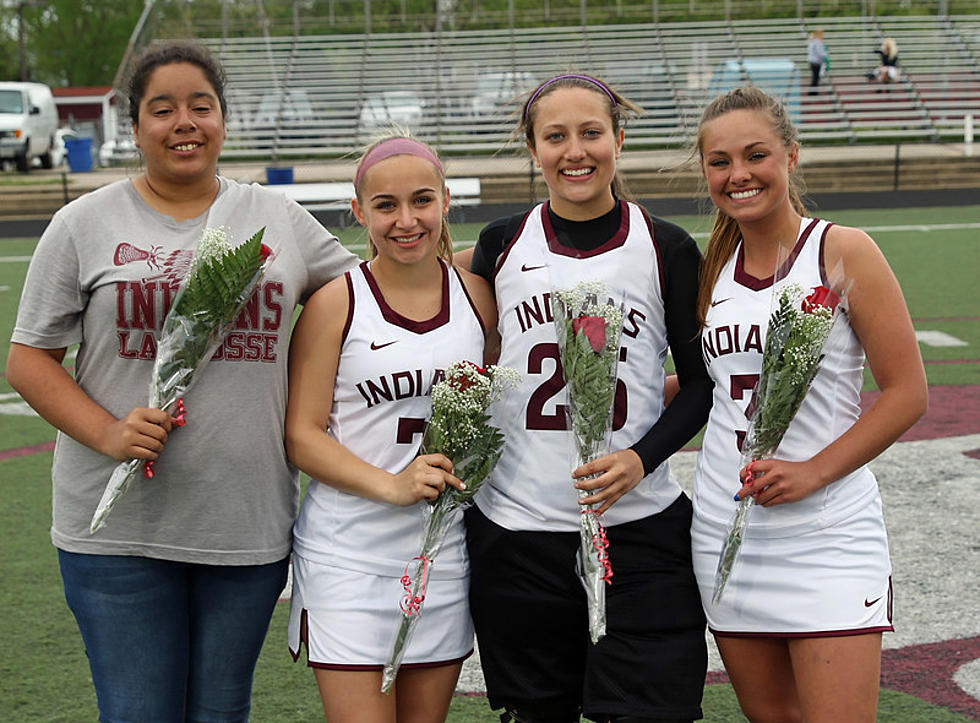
[[321, 96]]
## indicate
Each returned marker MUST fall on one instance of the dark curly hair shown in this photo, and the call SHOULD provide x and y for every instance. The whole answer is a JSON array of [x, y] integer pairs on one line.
[[159, 55]]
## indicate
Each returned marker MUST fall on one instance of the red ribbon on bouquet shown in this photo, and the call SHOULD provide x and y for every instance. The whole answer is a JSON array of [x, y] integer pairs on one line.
[[411, 604], [179, 421], [601, 545]]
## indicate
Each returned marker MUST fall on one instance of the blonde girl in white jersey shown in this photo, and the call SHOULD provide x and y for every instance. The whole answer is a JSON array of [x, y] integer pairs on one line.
[[362, 362], [795, 650]]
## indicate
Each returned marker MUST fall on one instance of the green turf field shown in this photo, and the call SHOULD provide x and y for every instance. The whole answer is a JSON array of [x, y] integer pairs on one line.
[[43, 671]]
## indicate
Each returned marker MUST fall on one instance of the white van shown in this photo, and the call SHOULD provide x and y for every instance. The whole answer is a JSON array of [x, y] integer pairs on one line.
[[289, 108], [28, 121]]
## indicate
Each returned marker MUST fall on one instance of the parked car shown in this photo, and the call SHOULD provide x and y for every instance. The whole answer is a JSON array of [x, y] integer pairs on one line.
[[118, 151], [28, 121], [401, 107], [289, 109], [496, 93], [59, 154], [649, 84]]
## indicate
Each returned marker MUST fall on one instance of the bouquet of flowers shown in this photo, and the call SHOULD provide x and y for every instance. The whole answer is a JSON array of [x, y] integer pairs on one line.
[[798, 328], [460, 429], [219, 283], [589, 325]]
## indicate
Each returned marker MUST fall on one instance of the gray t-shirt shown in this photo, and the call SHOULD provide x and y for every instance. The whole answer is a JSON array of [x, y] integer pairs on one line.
[[103, 276]]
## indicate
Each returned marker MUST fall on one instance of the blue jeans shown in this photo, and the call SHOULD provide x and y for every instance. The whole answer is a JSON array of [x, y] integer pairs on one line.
[[167, 641]]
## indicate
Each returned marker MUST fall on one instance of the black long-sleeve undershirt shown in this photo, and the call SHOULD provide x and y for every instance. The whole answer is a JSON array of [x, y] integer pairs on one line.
[[680, 257]]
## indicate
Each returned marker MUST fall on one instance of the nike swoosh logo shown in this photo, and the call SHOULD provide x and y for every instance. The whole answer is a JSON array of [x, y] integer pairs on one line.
[[525, 267], [720, 301], [869, 604], [375, 345]]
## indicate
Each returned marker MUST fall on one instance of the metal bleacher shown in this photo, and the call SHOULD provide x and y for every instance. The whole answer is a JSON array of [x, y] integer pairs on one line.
[[318, 96]]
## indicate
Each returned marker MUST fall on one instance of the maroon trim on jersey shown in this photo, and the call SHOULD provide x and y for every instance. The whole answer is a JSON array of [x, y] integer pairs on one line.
[[396, 319], [404, 666], [823, 267], [350, 307], [509, 246], [746, 279], [656, 248], [466, 292], [816, 634], [823, 633], [304, 639], [617, 240]]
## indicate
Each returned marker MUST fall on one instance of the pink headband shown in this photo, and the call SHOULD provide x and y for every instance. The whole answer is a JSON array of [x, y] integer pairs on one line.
[[395, 147], [589, 79]]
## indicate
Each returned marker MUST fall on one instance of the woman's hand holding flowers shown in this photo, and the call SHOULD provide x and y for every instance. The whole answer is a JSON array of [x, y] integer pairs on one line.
[[778, 482], [423, 479], [141, 434], [618, 473]]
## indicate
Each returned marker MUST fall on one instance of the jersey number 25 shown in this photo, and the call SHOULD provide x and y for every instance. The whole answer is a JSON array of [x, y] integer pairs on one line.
[[537, 418]]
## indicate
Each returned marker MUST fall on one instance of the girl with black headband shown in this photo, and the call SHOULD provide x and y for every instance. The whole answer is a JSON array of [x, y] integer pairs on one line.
[[527, 601]]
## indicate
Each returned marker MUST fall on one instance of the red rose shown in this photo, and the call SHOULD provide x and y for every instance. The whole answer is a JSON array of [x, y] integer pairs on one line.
[[594, 328], [821, 296], [264, 252], [463, 382]]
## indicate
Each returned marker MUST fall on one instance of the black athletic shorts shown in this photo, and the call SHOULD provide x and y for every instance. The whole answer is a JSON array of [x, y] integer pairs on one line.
[[529, 608]]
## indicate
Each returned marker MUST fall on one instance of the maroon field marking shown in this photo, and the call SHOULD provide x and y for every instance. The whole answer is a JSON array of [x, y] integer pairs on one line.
[[922, 671], [24, 451], [918, 319], [926, 672], [953, 412]]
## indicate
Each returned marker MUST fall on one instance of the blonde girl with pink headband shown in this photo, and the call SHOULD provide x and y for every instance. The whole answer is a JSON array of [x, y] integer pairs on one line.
[[364, 355], [528, 603]]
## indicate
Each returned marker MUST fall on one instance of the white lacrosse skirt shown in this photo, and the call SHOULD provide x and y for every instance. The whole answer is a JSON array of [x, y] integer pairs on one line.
[[827, 582], [351, 619]]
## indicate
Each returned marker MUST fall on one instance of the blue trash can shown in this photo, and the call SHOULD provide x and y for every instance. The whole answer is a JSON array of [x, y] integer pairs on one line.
[[278, 175], [79, 151]]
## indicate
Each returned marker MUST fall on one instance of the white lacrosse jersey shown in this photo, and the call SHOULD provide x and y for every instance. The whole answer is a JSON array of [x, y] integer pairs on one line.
[[732, 342], [531, 487], [388, 364]]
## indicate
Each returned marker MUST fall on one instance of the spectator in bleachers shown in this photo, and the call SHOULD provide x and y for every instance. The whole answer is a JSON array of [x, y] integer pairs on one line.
[[799, 623], [887, 71], [361, 521], [528, 602], [173, 597], [816, 56]]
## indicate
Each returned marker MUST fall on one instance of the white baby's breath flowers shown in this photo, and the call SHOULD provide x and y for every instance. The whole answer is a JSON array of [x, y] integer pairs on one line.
[[214, 243], [806, 332], [503, 377], [459, 401]]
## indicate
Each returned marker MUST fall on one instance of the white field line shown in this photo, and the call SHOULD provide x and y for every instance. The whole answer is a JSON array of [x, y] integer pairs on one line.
[[938, 338], [924, 228]]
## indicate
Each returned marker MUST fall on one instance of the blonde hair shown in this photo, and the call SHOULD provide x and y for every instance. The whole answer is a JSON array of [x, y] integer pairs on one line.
[[725, 234], [445, 244], [621, 109], [890, 48]]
